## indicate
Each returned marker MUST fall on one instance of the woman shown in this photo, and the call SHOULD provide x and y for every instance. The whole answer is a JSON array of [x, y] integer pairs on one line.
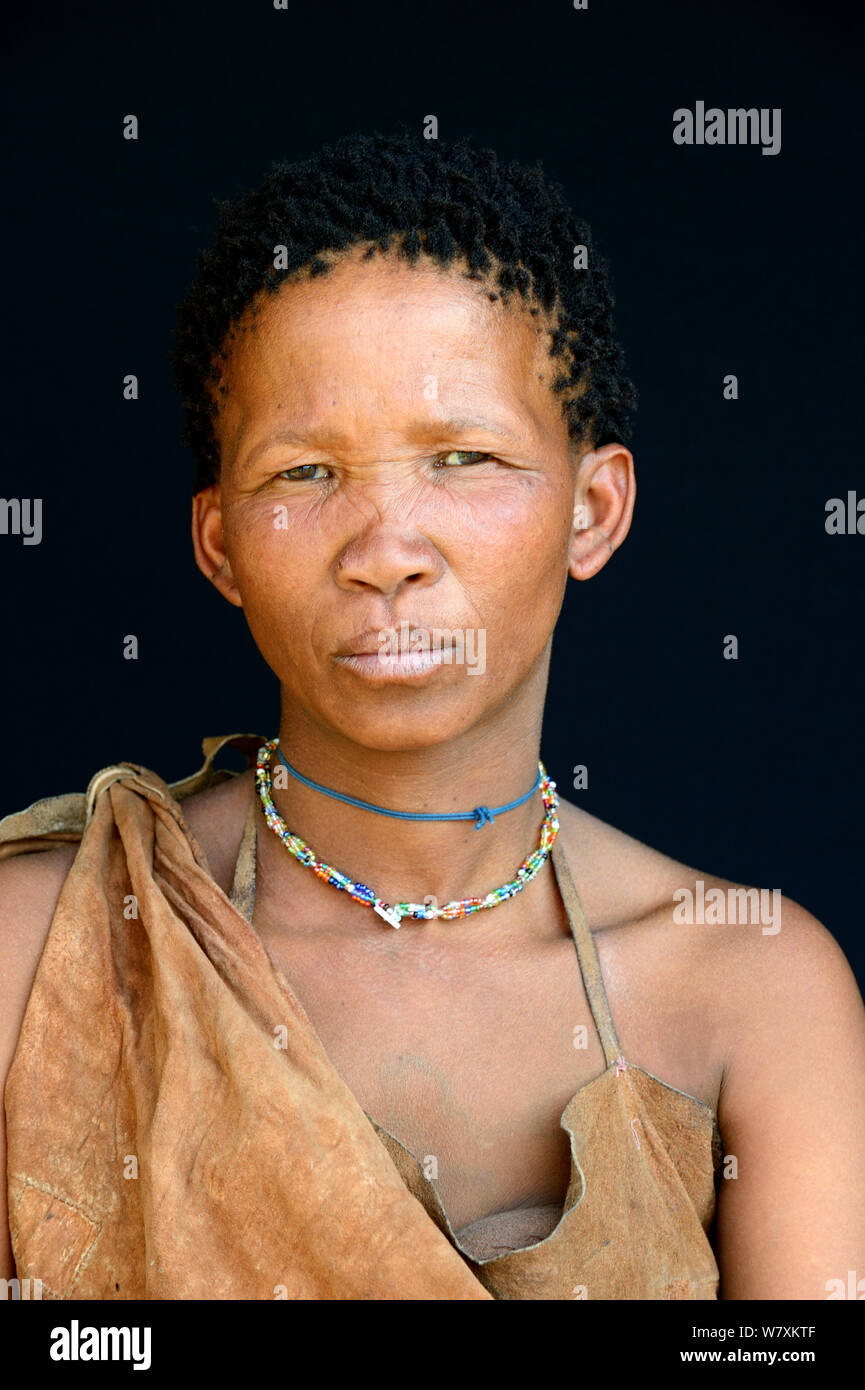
[[396, 1065]]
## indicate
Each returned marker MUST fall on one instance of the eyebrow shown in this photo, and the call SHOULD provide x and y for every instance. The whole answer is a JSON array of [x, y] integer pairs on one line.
[[465, 424], [429, 429]]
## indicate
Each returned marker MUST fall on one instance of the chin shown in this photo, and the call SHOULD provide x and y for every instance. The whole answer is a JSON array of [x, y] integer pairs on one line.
[[403, 725]]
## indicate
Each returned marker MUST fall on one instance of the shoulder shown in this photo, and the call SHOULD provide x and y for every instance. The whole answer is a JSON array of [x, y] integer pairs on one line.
[[30, 886], [795, 1020], [752, 933], [735, 971], [216, 817]]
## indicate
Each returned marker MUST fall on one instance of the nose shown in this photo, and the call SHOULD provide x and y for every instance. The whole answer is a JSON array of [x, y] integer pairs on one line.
[[386, 559]]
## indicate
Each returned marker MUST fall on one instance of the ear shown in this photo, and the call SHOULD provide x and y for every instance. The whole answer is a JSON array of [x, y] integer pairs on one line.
[[604, 494], [208, 543]]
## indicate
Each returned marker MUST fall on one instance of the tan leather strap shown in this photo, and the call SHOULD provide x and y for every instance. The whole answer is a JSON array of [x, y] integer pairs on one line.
[[587, 953]]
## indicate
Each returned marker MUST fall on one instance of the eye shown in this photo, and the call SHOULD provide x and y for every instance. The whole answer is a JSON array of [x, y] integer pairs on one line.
[[459, 458], [302, 472]]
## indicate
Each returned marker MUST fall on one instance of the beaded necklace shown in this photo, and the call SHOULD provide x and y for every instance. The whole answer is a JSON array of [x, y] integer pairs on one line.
[[462, 907]]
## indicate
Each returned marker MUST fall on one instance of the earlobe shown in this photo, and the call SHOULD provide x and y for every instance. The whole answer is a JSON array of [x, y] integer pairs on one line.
[[208, 543]]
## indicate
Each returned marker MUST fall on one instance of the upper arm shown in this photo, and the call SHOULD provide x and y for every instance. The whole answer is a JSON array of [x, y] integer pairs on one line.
[[791, 1212], [29, 888]]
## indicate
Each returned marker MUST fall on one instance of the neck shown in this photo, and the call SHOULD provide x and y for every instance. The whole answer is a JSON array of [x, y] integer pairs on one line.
[[410, 860]]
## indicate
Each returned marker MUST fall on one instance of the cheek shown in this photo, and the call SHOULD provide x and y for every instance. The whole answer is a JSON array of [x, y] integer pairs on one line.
[[515, 542], [274, 571], [266, 543]]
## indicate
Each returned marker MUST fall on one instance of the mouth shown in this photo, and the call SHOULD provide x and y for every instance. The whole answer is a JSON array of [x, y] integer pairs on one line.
[[379, 660], [381, 667]]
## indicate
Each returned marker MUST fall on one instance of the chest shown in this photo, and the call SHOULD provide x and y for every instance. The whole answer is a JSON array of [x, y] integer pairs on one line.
[[467, 1060]]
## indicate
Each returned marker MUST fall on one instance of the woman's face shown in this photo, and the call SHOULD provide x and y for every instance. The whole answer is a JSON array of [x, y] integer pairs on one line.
[[394, 461]]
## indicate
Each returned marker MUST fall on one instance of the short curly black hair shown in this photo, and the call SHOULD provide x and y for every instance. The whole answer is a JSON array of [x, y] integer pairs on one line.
[[507, 222]]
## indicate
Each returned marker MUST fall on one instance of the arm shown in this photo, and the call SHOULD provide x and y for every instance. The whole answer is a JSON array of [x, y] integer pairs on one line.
[[29, 888], [792, 1111]]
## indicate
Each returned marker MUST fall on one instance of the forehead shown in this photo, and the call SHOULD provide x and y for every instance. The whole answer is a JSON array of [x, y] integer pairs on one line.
[[380, 339]]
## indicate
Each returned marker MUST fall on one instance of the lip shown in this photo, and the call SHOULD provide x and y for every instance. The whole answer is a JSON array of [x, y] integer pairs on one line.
[[364, 655], [370, 641], [379, 668]]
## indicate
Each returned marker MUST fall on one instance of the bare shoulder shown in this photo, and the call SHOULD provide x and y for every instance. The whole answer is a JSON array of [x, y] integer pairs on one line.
[[30, 886], [728, 971], [216, 818], [620, 879], [751, 932]]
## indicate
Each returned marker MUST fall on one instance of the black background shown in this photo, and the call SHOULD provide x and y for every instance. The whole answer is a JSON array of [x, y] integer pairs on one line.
[[724, 261]]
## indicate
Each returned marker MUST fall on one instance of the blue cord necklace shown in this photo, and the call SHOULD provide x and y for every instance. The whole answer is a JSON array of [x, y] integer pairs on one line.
[[481, 815]]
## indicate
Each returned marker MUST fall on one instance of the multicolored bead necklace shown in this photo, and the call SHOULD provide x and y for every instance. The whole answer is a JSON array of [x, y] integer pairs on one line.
[[462, 907]]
